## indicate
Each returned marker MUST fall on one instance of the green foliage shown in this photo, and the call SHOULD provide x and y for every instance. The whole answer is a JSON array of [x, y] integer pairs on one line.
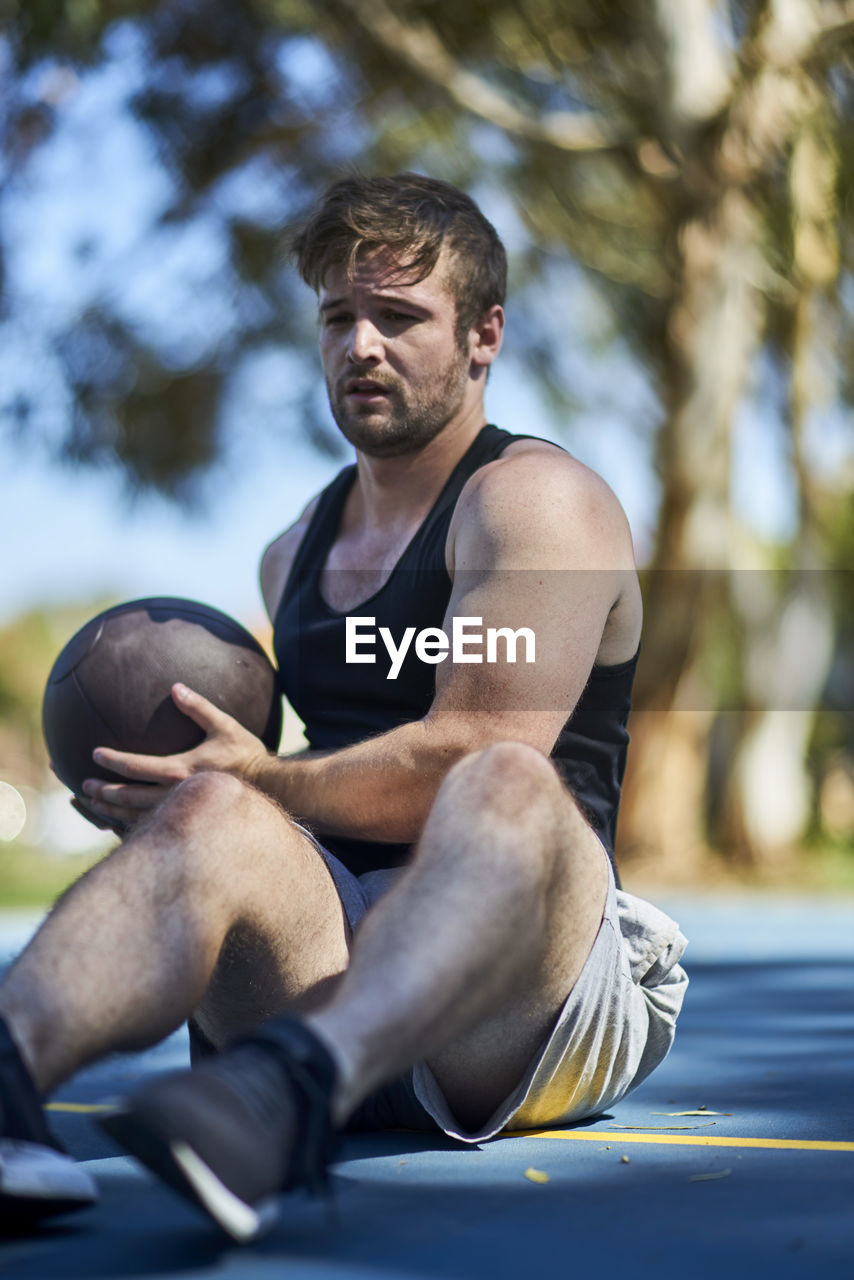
[[28, 647], [562, 106], [31, 878]]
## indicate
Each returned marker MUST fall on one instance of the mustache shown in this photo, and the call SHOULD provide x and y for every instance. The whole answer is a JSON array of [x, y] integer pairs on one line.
[[356, 374]]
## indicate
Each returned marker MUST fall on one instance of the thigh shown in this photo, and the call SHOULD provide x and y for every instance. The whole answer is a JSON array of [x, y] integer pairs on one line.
[[616, 1026], [480, 1069], [289, 945]]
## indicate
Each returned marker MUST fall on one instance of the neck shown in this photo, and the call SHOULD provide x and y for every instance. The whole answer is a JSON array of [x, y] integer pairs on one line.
[[391, 489]]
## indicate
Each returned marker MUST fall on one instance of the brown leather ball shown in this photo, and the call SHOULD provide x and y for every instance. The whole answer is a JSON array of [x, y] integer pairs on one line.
[[110, 685]]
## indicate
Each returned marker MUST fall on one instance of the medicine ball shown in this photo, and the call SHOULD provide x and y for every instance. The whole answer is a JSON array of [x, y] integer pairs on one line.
[[110, 685]]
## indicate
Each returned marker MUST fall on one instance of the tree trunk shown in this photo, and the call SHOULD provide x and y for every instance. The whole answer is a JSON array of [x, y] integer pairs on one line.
[[715, 327], [772, 784]]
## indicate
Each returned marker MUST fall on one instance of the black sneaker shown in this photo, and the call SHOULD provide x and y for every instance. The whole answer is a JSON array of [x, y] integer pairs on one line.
[[238, 1129], [37, 1179]]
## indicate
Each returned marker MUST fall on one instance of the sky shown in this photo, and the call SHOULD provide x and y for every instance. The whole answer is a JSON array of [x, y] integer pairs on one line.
[[70, 534], [77, 224]]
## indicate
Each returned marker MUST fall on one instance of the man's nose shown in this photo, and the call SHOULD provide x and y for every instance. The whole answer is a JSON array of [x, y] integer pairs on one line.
[[365, 343]]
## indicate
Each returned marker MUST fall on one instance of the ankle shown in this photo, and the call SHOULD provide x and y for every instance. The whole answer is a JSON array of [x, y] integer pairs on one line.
[[21, 1114], [348, 1090], [23, 1034], [14, 1039]]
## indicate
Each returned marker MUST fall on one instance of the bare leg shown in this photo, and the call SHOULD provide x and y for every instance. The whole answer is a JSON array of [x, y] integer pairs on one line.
[[464, 964], [135, 946], [467, 961]]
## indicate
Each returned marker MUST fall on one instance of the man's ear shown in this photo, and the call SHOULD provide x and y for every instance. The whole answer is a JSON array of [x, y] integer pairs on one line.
[[486, 337]]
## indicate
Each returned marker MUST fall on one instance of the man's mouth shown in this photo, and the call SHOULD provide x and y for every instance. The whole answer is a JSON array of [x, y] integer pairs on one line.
[[365, 389]]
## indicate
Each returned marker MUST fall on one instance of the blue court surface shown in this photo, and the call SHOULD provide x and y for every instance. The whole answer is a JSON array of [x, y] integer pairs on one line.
[[736, 1158]]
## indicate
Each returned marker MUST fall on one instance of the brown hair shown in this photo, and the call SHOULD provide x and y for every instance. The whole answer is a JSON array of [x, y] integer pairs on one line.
[[413, 216]]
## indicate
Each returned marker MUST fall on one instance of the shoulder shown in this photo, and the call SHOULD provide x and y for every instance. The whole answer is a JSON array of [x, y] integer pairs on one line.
[[538, 501], [278, 557], [539, 508]]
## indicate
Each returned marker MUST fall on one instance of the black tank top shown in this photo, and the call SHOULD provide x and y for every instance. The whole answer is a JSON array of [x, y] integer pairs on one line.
[[342, 703]]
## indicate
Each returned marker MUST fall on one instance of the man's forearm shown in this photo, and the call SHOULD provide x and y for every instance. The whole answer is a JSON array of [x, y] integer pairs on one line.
[[381, 789]]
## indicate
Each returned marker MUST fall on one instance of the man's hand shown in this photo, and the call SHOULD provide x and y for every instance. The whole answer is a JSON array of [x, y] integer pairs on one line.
[[81, 807], [227, 748]]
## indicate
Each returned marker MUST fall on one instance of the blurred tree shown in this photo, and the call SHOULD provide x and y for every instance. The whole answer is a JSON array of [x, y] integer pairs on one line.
[[28, 647], [691, 157]]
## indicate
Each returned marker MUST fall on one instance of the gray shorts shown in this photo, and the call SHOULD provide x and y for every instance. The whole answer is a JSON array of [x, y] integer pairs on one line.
[[616, 1025]]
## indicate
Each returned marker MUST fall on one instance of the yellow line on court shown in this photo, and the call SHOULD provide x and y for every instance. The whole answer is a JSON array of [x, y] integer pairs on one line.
[[682, 1140], [83, 1108], [609, 1136]]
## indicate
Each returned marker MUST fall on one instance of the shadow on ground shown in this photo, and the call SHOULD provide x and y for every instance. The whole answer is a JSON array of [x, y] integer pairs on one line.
[[769, 1046]]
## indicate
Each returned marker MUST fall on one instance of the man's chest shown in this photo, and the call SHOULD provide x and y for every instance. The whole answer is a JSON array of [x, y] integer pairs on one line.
[[356, 568]]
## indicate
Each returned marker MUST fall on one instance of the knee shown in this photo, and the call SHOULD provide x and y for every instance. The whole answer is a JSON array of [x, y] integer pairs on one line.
[[506, 775], [510, 798], [509, 803], [206, 797], [212, 818]]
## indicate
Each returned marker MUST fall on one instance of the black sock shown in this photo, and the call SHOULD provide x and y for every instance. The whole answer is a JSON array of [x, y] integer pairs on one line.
[[21, 1114]]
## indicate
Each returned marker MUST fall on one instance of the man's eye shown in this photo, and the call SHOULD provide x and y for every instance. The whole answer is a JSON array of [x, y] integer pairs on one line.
[[400, 317], [336, 317]]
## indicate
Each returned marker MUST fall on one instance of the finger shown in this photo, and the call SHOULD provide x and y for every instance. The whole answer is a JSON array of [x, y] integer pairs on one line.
[[119, 820], [199, 709], [120, 816], [89, 814], [122, 795], [165, 770]]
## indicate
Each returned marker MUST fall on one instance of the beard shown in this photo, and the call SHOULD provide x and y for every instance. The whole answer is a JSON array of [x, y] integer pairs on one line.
[[409, 418]]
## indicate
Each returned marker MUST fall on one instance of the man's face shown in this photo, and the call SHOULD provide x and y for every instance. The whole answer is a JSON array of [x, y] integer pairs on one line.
[[395, 372]]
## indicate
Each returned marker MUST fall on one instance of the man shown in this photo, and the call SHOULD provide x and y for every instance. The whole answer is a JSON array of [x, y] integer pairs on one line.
[[464, 962]]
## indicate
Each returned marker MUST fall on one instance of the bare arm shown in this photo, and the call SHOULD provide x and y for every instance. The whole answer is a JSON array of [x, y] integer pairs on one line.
[[558, 563], [278, 558], [537, 541]]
